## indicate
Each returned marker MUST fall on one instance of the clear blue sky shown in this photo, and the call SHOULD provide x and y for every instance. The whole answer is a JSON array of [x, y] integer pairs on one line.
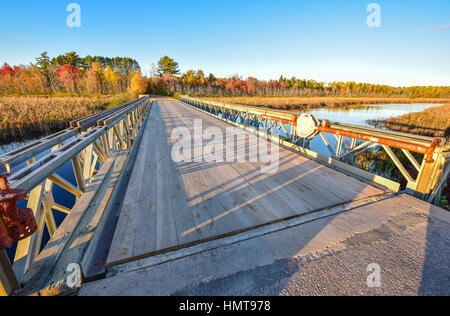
[[324, 40]]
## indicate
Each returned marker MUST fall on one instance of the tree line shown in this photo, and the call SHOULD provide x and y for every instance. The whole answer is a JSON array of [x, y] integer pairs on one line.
[[168, 81], [70, 73], [73, 74]]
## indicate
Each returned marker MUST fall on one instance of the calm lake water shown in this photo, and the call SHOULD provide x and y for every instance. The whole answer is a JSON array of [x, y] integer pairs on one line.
[[351, 115], [359, 115]]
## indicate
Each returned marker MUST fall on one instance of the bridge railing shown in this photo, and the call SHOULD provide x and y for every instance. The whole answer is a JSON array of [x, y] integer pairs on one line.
[[87, 145], [424, 164]]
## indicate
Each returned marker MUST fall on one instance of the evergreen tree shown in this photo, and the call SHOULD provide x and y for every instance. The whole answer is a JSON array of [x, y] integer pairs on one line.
[[167, 65], [43, 63]]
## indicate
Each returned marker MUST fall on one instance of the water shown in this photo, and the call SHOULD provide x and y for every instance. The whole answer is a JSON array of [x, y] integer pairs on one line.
[[351, 115], [356, 115], [359, 115]]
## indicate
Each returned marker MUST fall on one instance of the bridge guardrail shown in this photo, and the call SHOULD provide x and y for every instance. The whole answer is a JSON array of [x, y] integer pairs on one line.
[[88, 144], [431, 172]]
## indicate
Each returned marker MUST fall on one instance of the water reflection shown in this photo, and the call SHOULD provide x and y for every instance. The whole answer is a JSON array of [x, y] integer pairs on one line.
[[359, 115]]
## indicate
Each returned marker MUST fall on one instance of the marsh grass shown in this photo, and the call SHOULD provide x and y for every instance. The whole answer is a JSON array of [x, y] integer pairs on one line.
[[28, 117], [433, 122]]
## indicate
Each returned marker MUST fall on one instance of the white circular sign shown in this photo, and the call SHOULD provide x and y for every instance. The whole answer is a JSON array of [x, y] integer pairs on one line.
[[306, 126]]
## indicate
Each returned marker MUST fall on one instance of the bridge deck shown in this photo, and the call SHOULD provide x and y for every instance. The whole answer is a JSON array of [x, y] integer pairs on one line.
[[171, 205]]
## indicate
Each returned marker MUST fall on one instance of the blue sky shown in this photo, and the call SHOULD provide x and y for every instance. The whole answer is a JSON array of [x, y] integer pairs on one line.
[[325, 40]]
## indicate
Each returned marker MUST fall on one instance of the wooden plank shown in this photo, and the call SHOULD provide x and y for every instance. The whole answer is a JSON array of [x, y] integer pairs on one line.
[[183, 216], [131, 211], [178, 199], [139, 204], [96, 255], [209, 202], [316, 185], [322, 175], [219, 172], [326, 174], [193, 183], [166, 232]]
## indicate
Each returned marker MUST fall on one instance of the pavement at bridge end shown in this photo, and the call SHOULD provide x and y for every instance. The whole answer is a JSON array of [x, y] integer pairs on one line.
[[344, 272], [328, 256]]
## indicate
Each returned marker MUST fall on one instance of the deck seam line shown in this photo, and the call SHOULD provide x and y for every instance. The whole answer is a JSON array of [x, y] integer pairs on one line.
[[182, 251]]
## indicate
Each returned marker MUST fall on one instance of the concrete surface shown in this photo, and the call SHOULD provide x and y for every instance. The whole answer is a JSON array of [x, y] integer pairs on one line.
[[328, 256]]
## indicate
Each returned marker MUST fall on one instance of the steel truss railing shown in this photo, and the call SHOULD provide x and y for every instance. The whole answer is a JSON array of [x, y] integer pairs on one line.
[[432, 172], [87, 144]]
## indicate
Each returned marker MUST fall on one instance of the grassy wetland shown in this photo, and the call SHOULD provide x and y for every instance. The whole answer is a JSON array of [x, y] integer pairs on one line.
[[29, 117], [431, 122]]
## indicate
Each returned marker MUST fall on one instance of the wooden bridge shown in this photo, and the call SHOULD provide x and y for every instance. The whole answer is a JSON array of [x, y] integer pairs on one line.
[[137, 207]]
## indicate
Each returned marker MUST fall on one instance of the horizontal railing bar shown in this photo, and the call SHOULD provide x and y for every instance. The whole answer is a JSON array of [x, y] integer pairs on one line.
[[112, 120], [427, 149], [410, 138], [21, 155], [34, 174], [91, 120], [372, 129]]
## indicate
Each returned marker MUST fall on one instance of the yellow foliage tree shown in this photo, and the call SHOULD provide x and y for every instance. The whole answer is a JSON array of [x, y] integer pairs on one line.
[[137, 85], [112, 78]]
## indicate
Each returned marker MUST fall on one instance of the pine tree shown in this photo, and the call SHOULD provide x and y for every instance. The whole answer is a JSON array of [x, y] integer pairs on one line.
[[167, 65]]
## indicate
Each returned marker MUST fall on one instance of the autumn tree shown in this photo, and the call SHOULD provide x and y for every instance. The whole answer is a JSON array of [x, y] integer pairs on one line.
[[167, 65], [189, 77], [68, 74], [137, 83], [90, 82], [112, 80]]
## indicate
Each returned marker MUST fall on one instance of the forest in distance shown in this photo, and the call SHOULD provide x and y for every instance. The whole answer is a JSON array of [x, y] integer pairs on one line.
[[72, 74], [44, 96]]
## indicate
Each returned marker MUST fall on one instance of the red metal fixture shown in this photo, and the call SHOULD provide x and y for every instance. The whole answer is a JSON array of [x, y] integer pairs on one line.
[[15, 223], [427, 151], [280, 120]]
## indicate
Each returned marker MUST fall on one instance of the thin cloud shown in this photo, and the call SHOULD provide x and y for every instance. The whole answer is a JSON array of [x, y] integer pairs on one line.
[[435, 29]]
